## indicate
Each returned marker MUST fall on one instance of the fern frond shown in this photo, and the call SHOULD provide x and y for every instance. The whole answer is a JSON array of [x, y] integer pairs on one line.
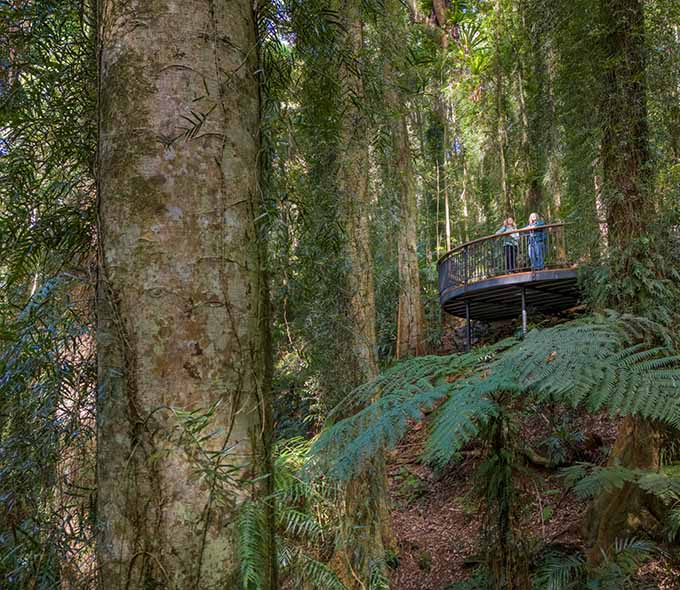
[[306, 571], [299, 525], [629, 553], [350, 444], [292, 490], [594, 366], [252, 546], [398, 396], [378, 580], [319, 575], [589, 481], [673, 524], [417, 375], [603, 362], [459, 419], [660, 485], [560, 572]]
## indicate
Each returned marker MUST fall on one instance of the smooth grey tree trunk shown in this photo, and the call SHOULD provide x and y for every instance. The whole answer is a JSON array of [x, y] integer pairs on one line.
[[181, 314]]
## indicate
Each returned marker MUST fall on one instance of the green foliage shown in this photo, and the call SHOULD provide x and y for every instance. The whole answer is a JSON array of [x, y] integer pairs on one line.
[[563, 440], [559, 572], [673, 523], [378, 580], [616, 572], [611, 362], [252, 545], [642, 279], [589, 481], [479, 581], [594, 364], [401, 395], [47, 363], [307, 521]]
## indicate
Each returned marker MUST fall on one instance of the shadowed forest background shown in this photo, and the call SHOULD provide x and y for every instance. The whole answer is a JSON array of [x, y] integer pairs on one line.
[[223, 358]]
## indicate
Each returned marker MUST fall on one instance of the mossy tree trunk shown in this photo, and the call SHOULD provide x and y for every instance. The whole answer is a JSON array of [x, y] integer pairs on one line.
[[181, 299], [365, 528], [629, 207], [411, 317], [625, 157]]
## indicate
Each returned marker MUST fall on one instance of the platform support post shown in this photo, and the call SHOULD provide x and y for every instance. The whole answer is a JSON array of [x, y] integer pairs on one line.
[[524, 312], [468, 328]]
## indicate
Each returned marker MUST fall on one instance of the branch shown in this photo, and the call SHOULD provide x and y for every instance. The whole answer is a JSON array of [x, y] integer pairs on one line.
[[435, 23]]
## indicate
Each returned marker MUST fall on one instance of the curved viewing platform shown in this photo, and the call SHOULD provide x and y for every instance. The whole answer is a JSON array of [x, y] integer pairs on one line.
[[502, 276]]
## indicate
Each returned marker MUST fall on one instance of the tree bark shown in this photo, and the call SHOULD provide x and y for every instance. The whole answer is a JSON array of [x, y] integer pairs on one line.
[[182, 320], [621, 513], [628, 204], [411, 317], [365, 527], [501, 131], [625, 141]]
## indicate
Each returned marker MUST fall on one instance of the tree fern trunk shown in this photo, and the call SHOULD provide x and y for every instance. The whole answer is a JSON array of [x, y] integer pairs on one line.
[[620, 513], [181, 314]]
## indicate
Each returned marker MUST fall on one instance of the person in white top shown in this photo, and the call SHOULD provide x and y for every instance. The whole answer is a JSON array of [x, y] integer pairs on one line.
[[510, 244]]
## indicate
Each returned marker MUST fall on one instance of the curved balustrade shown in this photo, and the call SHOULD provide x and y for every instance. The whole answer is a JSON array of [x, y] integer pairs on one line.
[[503, 275], [524, 250]]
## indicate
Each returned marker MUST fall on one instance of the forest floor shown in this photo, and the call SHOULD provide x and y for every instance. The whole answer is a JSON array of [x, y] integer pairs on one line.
[[438, 521]]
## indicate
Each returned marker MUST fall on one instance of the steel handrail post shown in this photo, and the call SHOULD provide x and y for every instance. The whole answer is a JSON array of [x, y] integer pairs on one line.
[[465, 265]]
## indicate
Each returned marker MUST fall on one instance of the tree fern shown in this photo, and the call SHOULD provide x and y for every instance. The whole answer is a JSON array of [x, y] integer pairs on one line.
[[612, 362], [387, 404], [589, 481]]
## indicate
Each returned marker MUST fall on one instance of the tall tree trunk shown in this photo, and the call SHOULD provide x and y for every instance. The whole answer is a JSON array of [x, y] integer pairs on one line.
[[182, 319], [411, 325], [501, 131], [465, 195], [628, 204], [442, 117], [534, 190], [625, 149], [411, 317], [437, 213], [366, 528]]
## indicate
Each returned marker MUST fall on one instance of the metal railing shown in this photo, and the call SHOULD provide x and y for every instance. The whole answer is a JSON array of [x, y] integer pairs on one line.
[[523, 250]]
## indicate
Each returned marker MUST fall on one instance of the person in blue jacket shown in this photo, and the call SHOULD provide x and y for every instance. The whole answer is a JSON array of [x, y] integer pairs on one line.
[[537, 239]]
